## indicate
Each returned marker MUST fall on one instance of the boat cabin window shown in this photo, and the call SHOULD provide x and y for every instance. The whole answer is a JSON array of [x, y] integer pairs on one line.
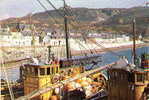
[[131, 77], [42, 71], [57, 69], [48, 71], [36, 71]]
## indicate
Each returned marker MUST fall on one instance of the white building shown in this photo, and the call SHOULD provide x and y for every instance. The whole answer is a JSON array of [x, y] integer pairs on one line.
[[17, 39], [53, 41]]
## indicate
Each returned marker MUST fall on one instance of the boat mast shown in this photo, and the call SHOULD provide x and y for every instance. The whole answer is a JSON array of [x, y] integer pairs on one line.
[[66, 31], [134, 41]]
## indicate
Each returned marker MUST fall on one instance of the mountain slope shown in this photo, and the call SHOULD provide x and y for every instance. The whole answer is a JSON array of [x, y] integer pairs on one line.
[[81, 14], [123, 21], [111, 19], [126, 17]]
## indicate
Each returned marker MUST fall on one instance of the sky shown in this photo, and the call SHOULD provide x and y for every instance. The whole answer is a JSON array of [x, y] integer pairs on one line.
[[18, 8]]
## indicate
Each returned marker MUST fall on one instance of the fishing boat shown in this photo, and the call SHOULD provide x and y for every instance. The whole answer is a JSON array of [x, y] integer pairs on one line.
[[69, 79], [132, 81]]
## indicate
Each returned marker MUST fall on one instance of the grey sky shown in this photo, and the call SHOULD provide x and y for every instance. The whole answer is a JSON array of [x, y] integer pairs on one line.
[[13, 8]]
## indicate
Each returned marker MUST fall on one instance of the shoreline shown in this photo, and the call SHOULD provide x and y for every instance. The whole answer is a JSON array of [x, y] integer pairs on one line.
[[113, 49], [98, 51]]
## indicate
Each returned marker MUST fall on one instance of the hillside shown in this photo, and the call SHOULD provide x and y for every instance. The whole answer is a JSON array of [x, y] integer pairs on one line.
[[127, 16], [81, 14], [124, 20], [108, 19]]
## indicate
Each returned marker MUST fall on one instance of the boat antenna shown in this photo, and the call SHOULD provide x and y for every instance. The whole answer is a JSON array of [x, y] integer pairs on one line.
[[66, 31], [134, 41]]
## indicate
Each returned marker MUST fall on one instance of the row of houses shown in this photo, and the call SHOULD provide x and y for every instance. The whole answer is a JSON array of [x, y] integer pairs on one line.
[[60, 40], [25, 38], [9, 38]]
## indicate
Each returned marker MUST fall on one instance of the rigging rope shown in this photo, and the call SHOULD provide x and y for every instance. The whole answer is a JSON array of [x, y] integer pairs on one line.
[[59, 11], [106, 49], [55, 8], [91, 49], [99, 45], [6, 77], [54, 20], [85, 47]]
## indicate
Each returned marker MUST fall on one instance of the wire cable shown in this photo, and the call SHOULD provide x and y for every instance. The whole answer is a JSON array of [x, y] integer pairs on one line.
[[6, 76], [54, 20], [55, 8], [106, 49]]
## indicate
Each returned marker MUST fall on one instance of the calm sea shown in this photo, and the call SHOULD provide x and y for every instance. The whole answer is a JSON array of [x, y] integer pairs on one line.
[[107, 58]]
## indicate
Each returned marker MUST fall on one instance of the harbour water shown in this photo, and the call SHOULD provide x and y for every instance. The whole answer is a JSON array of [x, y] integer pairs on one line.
[[110, 57], [107, 58]]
